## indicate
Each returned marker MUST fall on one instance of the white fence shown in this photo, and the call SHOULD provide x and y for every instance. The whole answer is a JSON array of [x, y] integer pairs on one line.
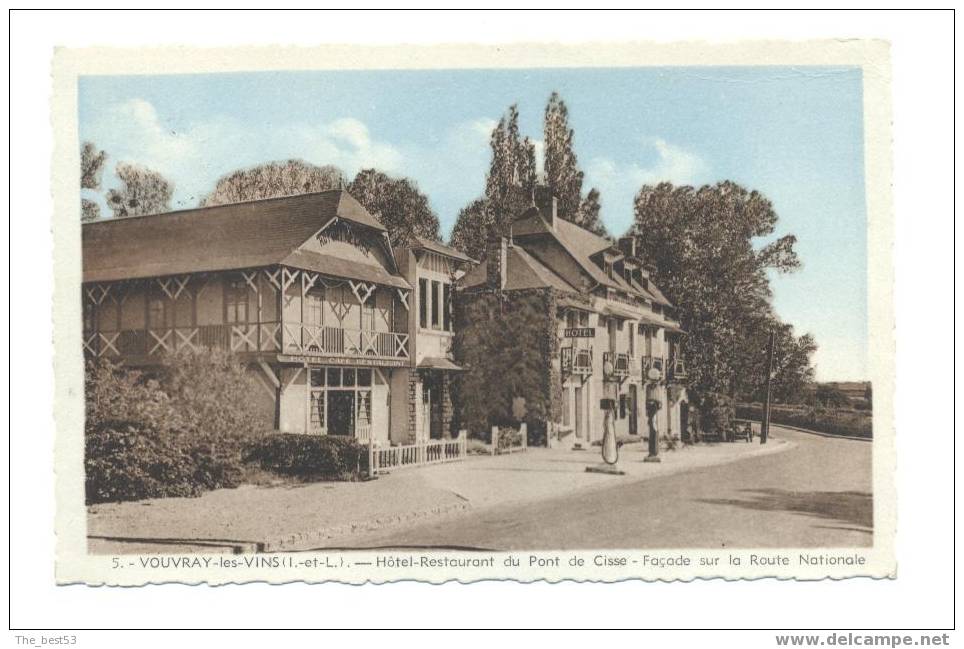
[[523, 444], [434, 451]]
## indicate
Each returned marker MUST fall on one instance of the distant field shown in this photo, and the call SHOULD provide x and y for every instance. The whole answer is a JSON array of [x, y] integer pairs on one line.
[[833, 421]]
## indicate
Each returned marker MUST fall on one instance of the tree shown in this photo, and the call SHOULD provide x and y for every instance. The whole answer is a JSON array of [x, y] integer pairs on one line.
[[509, 186], [701, 244], [91, 171], [830, 396], [563, 176], [471, 229], [398, 204], [145, 191], [89, 210], [273, 179], [91, 166], [589, 213]]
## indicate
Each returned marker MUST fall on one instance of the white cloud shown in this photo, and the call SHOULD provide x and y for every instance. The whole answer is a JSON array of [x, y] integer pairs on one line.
[[673, 164], [196, 155], [619, 182]]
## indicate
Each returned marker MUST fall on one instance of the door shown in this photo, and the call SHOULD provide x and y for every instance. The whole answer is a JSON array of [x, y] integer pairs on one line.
[[341, 412], [432, 406], [633, 422], [684, 421], [578, 410]]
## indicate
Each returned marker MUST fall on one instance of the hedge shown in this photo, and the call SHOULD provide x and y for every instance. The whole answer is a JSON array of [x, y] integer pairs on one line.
[[849, 423], [310, 457]]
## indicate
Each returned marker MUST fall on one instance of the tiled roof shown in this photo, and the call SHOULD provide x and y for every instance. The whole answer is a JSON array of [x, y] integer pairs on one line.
[[522, 271], [224, 237]]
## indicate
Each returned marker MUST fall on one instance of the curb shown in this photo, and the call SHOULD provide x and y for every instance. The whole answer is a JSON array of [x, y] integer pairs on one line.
[[813, 432], [284, 543]]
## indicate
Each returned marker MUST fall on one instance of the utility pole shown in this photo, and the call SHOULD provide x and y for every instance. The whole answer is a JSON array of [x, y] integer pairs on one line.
[[765, 426]]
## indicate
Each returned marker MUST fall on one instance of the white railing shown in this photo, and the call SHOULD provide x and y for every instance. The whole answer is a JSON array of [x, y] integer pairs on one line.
[[498, 449], [436, 451], [338, 341]]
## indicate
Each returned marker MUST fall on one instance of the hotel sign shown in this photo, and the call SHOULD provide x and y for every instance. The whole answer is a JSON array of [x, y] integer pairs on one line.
[[355, 361], [579, 332]]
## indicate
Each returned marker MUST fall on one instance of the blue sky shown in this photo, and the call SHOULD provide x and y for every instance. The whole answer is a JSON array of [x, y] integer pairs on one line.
[[793, 133]]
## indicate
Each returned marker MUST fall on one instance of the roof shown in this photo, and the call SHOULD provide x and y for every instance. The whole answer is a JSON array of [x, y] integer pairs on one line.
[[612, 311], [438, 363], [330, 265], [223, 237], [522, 271], [441, 249]]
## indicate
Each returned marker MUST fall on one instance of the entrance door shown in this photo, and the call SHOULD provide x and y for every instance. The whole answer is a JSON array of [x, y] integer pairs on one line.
[[341, 412], [684, 421], [578, 410], [633, 421], [432, 405]]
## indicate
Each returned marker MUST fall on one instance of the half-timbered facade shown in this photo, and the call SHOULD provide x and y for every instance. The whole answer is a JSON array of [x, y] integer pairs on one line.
[[617, 334], [307, 290]]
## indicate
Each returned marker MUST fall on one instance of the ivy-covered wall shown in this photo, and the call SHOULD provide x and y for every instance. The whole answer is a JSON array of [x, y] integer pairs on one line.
[[507, 341]]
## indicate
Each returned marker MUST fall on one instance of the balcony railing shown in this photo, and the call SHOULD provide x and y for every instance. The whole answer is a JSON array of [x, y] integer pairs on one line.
[[582, 362], [657, 363], [291, 338], [676, 371], [619, 364]]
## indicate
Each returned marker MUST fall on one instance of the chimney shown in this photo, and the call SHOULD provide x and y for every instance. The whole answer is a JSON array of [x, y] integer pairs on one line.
[[496, 260], [548, 205], [627, 246]]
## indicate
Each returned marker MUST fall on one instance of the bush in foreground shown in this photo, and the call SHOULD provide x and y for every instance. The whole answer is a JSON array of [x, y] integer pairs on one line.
[[178, 431]]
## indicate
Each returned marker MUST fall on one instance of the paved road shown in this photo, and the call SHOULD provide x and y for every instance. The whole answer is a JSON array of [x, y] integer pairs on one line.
[[817, 494]]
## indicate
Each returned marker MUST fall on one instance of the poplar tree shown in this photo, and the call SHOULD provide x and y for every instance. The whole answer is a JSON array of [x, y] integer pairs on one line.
[[561, 166], [509, 185]]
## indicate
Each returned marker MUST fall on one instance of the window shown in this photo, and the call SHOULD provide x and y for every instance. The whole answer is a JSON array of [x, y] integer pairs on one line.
[[368, 314], [364, 378], [423, 303], [334, 377], [575, 318], [447, 307], [622, 406], [236, 301], [317, 378], [436, 303], [364, 401], [348, 377], [632, 340], [314, 306], [317, 409], [157, 316], [88, 316]]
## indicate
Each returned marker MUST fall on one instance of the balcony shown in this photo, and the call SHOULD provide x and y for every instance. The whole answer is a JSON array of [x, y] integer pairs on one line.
[[677, 369], [619, 364], [582, 362], [266, 337], [657, 363]]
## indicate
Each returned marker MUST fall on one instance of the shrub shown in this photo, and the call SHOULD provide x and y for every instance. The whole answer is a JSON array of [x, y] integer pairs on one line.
[[178, 431], [509, 437], [128, 462], [850, 423], [716, 412], [310, 457]]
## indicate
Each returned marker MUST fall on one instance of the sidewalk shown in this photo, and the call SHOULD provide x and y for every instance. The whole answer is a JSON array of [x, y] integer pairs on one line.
[[277, 518]]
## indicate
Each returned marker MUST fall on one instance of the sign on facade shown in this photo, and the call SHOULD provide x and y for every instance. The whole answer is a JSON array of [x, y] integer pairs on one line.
[[579, 332]]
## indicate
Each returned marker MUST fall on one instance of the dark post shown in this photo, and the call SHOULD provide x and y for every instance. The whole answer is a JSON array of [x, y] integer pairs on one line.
[[765, 426]]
